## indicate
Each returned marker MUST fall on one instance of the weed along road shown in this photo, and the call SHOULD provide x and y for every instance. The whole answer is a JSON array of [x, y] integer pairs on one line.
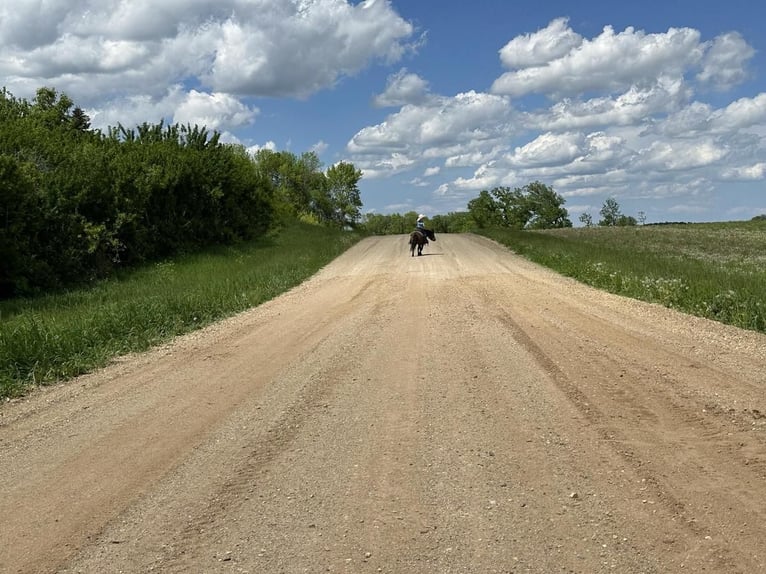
[[464, 411]]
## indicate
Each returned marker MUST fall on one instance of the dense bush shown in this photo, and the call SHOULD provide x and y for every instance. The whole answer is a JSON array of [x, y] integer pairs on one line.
[[76, 204]]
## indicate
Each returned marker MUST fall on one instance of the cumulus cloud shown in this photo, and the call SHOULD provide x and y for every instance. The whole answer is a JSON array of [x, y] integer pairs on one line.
[[241, 47], [755, 171], [299, 48], [541, 47], [629, 108], [741, 114], [255, 148], [215, 111], [402, 88], [385, 165], [725, 62], [609, 62], [137, 109], [441, 127], [680, 155], [547, 149]]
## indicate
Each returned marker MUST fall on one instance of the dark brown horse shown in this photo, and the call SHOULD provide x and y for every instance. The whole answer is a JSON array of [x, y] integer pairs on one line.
[[420, 239]]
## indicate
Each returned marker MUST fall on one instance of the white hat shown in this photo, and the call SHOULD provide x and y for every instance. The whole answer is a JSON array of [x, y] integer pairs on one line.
[[421, 216]]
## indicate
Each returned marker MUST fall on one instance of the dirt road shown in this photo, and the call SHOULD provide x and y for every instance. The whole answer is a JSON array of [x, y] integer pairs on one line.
[[465, 411]]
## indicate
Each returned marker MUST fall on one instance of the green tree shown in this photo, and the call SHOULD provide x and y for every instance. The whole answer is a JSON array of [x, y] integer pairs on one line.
[[80, 120], [298, 182], [453, 222], [512, 207], [586, 219], [484, 210], [376, 223], [534, 206], [610, 213], [545, 207], [346, 202], [21, 222], [626, 221]]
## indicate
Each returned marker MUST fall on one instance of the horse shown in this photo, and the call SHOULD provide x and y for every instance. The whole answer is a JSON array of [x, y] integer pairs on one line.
[[420, 238]]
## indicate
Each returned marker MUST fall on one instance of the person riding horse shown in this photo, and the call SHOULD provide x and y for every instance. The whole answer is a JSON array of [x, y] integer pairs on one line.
[[420, 226], [420, 236]]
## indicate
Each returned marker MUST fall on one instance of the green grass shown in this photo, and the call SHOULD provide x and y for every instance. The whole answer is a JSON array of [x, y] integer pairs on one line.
[[712, 270], [56, 337]]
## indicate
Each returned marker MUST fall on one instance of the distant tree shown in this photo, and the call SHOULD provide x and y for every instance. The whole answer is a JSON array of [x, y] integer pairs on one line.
[[484, 210], [512, 208], [453, 222], [51, 108], [80, 120], [626, 220], [403, 223], [641, 217], [610, 213], [342, 179], [761, 217], [534, 206], [586, 219], [545, 207], [298, 183]]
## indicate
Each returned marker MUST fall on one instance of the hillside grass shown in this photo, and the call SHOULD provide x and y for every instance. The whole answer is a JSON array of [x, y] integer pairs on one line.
[[712, 270], [56, 337]]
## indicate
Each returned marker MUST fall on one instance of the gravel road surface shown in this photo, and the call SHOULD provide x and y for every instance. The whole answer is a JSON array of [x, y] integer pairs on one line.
[[465, 411]]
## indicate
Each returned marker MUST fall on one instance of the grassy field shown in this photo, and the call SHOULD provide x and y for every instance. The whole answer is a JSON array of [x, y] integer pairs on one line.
[[56, 337], [713, 270]]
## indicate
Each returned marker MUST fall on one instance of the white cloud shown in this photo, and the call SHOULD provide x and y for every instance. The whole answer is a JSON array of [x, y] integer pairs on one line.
[[468, 123], [402, 88], [550, 43], [755, 171], [254, 149], [137, 109], [215, 111], [725, 61], [319, 148], [246, 47], [611, 62], [296, 49], [486, 176], [629, 108], [740, 114], [680, 155], [547, 149], [470, 158]]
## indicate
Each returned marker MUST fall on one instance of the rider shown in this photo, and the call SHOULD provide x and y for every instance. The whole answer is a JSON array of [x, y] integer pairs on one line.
[[420, 225]]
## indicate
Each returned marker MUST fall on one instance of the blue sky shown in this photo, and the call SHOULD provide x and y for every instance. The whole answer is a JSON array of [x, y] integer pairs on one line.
[[661, 105]]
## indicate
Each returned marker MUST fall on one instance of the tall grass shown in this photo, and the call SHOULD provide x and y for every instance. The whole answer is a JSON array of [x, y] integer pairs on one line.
[[56, 337], [712, 270]]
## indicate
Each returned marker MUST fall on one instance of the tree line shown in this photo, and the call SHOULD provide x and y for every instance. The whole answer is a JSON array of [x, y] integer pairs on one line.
[[533, 206], [77, 203]]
